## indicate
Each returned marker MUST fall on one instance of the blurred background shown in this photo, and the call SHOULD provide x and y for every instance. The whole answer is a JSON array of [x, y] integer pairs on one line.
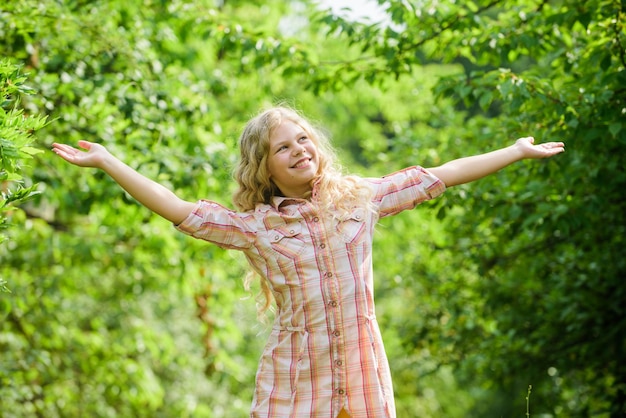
[[511, 282]]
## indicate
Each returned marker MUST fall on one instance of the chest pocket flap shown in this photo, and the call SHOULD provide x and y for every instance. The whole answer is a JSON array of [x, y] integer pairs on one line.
[[352, 227], [287, 239]]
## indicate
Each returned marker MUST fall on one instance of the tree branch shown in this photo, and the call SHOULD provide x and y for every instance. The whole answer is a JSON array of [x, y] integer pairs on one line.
[[450, 24], [57, 226]]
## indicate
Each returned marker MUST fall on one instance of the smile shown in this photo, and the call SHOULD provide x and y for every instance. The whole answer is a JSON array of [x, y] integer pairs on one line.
[[302, 163]]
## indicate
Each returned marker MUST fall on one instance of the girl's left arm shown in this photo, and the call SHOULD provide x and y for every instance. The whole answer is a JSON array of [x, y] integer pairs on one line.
[[467, 169]]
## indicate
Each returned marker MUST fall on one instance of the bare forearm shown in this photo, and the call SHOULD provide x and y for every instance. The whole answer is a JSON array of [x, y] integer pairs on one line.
[[468, 169], [465, 170], [149, 193]]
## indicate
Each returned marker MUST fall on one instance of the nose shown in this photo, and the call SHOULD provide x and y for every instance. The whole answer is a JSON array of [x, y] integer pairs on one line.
[[299, 149]]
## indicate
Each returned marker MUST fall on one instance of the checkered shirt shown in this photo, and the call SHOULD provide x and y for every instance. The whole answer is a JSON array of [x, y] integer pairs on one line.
[[325, 350]]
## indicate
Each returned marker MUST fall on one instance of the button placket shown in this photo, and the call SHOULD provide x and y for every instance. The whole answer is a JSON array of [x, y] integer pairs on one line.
[[331, 293]]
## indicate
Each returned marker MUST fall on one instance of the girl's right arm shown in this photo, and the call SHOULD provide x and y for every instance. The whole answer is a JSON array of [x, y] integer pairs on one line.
[[152, 195]]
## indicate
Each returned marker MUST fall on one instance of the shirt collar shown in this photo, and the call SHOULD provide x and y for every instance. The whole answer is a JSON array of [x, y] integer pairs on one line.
[[278, 201]]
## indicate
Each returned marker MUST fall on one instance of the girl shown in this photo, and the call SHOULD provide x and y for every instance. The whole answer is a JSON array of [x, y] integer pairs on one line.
[[306, 229]]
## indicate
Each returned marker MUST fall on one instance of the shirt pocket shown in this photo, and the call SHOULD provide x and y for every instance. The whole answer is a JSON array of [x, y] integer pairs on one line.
[[351, 229], [287, 240]]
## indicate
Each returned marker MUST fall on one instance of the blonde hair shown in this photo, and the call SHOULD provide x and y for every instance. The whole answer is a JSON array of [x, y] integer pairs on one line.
[[336, 193]]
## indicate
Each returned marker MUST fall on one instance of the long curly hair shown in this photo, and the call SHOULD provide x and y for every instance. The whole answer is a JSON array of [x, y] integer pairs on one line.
[[335, 191], [336, 194]]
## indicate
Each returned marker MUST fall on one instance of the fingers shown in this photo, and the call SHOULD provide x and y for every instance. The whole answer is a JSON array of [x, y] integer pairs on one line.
[[543, 150], [553, 144], [560, 146], [531, 140], [67, 152], [553, 148], [67, 157], [89, 154], [85, 144], [63, 148]]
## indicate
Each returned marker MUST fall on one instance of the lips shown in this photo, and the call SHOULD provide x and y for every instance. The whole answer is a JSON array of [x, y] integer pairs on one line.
[[301, 163]]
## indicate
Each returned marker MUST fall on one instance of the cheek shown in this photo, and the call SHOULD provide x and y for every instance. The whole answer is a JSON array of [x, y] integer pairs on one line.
[[274, 165]]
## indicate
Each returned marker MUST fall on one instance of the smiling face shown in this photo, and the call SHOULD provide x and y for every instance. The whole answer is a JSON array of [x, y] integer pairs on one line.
[[292, 160]]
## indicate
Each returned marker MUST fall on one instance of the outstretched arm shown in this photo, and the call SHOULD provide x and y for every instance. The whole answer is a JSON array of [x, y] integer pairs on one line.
[[152, 195], [465, 170]]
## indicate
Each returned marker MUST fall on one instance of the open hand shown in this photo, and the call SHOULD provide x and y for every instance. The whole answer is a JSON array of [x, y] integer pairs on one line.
[[94, 155], [545, 150]]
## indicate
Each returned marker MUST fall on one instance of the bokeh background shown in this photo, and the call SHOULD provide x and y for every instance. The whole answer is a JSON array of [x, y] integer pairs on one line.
[[511, 282]]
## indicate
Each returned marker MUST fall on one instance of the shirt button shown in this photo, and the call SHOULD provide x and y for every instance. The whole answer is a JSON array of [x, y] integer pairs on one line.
[[292, 231], [341, 391], [276, 238], [336, 333], [322, 246], [316, 219], [329, 274], [338, 362], [333, 303]]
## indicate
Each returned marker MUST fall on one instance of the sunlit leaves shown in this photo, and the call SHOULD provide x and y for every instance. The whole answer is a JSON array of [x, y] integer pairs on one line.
[[506, 288], [556, 71], [16, 129]]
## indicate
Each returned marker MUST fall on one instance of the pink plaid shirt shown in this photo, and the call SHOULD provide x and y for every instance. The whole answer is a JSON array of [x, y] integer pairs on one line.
[[325, 350]]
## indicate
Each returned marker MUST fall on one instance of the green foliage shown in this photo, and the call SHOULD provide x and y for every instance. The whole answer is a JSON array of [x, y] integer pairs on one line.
[[511, 281], [547, 242], [16, 130]]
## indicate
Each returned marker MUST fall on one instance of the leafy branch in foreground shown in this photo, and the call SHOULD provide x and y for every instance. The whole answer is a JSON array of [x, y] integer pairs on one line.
[[16, 138]]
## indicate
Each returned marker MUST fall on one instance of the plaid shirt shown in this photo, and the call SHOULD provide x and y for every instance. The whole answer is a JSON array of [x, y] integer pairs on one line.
[[325, 350]]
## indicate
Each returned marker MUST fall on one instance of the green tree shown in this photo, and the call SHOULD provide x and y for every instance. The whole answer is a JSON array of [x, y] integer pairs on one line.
[[547, 240], [102, 321], [16, 137], [518, 282]]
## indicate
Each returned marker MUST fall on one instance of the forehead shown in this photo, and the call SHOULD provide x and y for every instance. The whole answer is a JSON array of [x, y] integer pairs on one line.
[[286, 131]]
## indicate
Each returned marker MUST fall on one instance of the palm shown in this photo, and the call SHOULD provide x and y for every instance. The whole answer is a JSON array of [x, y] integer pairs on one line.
[[92, 157], [547, 149]]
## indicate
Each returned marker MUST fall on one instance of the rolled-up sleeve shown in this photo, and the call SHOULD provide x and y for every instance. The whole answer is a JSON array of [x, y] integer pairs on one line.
[[405, 189], [224, 227]]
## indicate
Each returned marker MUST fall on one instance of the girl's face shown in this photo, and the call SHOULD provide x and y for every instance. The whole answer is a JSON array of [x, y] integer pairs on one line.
[[292, 160]]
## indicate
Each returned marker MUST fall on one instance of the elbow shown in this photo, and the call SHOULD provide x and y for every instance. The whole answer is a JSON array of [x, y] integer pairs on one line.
[[179, 212], [447, 175]]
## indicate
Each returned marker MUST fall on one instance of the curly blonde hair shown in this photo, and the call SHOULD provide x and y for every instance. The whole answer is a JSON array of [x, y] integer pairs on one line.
[[336, 193]]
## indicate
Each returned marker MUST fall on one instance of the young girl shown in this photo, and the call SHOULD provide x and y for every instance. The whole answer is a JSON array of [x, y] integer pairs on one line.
[[307, 230]]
